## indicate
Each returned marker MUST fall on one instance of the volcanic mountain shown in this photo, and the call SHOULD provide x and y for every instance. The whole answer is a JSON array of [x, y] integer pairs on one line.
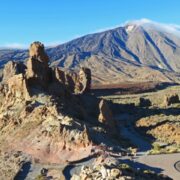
[[136, 52]]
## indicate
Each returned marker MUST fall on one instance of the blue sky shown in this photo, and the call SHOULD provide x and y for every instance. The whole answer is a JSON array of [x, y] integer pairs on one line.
[[57, 21]]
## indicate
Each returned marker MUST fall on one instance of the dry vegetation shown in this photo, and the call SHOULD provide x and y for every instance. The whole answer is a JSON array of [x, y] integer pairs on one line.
[[159, 122]]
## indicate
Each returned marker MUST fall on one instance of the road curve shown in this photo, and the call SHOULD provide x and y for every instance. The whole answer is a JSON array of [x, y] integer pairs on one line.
[[162, 163], [165, 162]]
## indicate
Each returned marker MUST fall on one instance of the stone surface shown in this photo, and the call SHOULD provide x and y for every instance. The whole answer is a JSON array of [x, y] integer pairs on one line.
[[77, 83], [37, 73], [105, 115], [66, 79], [17, 87], [83, 83], [36, 51], [12, 68]]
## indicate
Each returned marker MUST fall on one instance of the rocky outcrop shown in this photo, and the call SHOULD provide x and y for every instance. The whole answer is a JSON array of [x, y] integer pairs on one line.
[[171, 99], [42, 128], [12, 68], [17, 87], [105, 115], [77, 83], [63, 78], [79, 138], [144, 102], [37, 52], [83, 83], [41, 116], [37, 73]]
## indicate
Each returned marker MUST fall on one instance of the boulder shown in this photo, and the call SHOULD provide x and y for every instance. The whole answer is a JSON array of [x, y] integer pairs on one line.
[[171, 99], [83, 83], [144, 102], [37, 51], [12, 68], [105, 116]]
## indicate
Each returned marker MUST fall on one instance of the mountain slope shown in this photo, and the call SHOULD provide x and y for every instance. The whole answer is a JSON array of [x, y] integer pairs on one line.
[[135, 52]]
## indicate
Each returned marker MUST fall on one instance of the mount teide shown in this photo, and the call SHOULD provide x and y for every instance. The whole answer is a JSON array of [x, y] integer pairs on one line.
[[137, 52]]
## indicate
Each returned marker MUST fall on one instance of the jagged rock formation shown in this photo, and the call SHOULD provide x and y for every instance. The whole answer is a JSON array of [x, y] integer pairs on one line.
[[83, 83], [17, 87], [66, 78], [77, 83], [39, 113], [37, 73], [12, 68], [37, 52]]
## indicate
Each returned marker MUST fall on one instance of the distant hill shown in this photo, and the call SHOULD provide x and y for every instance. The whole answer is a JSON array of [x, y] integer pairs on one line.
[[134, 52]]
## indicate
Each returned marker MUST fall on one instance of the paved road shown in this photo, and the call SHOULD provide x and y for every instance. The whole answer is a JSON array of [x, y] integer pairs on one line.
[[163, 163], [177, 166]]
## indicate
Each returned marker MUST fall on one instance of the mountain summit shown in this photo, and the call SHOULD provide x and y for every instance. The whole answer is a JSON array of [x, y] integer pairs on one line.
[[138, 51]]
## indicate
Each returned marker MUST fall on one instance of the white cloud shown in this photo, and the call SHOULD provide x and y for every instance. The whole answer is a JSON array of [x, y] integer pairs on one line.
[[169, 28], [26, 46], [14, 46]]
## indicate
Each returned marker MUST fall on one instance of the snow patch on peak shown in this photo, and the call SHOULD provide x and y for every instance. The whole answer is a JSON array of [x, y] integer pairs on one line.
[[129, 28]]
